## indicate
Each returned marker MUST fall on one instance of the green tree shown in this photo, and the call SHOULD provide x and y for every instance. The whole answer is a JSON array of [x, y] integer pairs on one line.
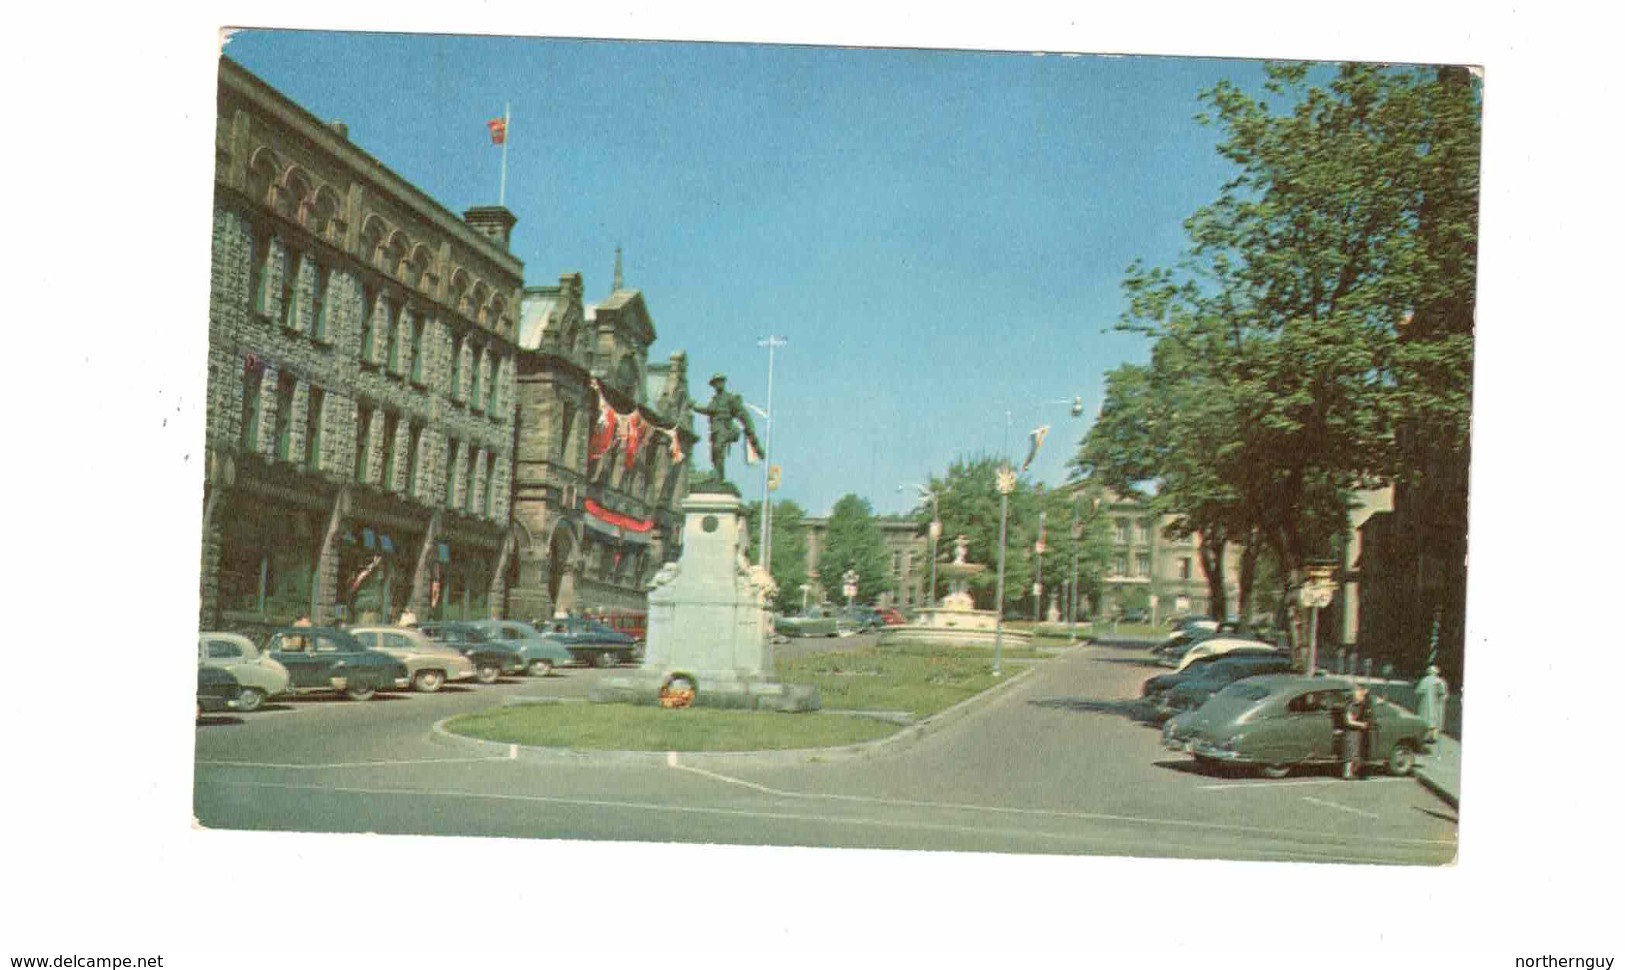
[[1316, 336], [789, 565], [854, 542]]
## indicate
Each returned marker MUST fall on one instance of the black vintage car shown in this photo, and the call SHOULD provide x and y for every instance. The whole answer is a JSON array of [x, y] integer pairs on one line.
[[589, 642], [216, 689], [322, 658], [1207, 679], [492, 658]]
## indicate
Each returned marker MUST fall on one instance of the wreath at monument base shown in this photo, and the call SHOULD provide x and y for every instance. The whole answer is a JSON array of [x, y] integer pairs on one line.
[[677, 692]]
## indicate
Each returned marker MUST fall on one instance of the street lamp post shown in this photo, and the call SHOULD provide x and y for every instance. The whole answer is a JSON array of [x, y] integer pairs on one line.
[[1072, 593], [766, 543], [1006, 485]]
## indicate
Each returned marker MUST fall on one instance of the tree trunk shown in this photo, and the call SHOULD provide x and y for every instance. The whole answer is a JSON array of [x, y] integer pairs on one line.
[[1244, 582], [1212, 557]]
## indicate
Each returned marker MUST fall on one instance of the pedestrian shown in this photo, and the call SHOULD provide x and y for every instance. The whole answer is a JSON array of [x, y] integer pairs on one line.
[[408, 618], [1432, 695], [1356, 733]]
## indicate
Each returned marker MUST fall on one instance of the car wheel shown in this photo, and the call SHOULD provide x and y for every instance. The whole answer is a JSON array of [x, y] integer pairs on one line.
[[606, 658], [359, 692], [541, 668], [250, 699], [488, 673], [428, 681], [1275, 771], [1402, 759]]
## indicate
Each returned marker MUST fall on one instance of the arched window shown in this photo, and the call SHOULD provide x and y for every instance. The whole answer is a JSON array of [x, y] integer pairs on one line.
[[262, 175], [418, 324], [457, 291], [373, 232], [393, 255], [456, 388], [293, 202], [476, 361], [419, 265], [322, 218]]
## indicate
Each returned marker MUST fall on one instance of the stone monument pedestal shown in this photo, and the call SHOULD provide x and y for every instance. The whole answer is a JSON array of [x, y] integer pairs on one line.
[[709, 639]]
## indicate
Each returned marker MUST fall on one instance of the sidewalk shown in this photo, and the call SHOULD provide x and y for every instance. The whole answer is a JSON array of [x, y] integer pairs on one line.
[[1440, 770]]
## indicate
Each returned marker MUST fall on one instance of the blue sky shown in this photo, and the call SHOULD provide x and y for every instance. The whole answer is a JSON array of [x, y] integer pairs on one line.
[[939, 235]]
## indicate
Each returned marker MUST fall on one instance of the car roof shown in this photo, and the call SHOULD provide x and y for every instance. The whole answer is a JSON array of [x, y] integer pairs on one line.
[[1285, 683]]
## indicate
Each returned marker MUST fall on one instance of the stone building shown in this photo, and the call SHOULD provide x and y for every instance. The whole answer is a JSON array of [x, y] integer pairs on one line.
[[1145, 563], [603, 452], [362, 374]]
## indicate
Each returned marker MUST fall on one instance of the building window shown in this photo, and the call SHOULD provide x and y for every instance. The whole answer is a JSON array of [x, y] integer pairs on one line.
[[391, 426], [313, 429], [1120, 565], [491, 387], [470, 497], [457, 369], [290, 288], [363, 443], [567, 418], [418, 323], [897, 563], [1142, 564], [253, 381], [474, 368], [318, 322], [1185, 567], [414, 439], [490, 484], [285, 387], [369, 305], [1121, 526], [259, 258], [451, 473], [389, 329], [1142, 531]]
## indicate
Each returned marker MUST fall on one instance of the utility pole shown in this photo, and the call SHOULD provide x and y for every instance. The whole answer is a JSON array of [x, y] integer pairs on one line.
[[766, 543]]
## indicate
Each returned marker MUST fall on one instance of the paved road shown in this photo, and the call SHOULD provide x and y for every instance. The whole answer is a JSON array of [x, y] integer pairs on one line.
[[1051, 765]]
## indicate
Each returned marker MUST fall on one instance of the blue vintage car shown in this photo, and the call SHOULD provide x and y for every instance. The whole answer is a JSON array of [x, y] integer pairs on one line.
[[589, 641], [541, 654]]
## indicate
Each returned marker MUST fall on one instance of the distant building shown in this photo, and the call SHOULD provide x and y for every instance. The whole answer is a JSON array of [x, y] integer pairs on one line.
[[604, 447], [361, 381], [1145, 563], [908, 554]]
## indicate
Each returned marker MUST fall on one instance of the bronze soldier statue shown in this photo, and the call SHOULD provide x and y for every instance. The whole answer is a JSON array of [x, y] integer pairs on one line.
[[728, 414]]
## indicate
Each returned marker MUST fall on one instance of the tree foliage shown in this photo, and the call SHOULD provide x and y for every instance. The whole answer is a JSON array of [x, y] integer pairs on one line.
[[968, 499], [1322, 311], [854, 542], [789, 550]]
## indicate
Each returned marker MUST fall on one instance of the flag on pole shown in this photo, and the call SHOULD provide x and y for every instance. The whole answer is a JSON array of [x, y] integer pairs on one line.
[[499, 130], [1035, 441]]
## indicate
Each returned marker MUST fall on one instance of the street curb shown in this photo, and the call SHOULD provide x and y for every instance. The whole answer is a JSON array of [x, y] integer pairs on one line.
[[1432, 785], [850, 752]]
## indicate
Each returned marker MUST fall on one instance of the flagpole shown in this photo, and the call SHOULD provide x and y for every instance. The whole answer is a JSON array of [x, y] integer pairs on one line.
[[502, 189]]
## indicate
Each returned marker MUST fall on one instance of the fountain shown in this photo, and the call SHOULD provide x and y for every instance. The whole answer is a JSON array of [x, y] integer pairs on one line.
[[956, 621]]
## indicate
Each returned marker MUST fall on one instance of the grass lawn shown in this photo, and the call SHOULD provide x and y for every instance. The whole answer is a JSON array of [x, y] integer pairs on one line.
[[624, 727], [917, 679]]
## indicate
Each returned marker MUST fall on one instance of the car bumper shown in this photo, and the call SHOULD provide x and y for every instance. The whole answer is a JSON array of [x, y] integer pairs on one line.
[[1203, 749], [402, 683]]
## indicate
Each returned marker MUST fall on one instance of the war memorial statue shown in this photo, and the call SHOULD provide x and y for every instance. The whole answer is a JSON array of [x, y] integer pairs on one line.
[[728, 416]]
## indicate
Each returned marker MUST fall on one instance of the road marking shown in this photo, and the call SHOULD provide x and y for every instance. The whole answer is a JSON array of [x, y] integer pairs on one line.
[[1356, 811], [513, 753], [1035, 812], [1282, 784], [1294, 854]]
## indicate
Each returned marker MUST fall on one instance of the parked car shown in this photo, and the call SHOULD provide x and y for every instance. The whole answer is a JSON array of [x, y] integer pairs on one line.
[[429, 665], [320, 658], [589, 642], [1280, 722], [491, 658], [1135, 616], [260, 675], [815, 621], [541, 654], [1209, 678], [1219, 646], [216, 689], [1155, 687], [862, 618], [892, 617]]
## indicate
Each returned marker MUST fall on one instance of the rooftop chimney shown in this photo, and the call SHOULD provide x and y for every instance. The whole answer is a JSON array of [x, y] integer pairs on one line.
[[494, 222]]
